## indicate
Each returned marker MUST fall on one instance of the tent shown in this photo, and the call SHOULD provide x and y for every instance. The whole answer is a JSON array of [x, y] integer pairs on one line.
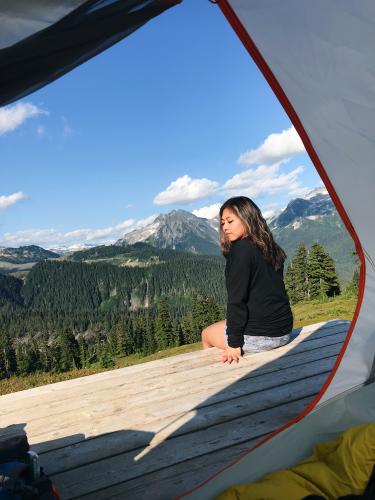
[[318, 58]]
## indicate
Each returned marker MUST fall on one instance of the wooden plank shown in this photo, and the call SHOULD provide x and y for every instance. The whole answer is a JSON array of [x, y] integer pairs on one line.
[[111, 471], [167, 424], [73, 426], [113, 415], [104, 389], [173, 480], [133, 372]]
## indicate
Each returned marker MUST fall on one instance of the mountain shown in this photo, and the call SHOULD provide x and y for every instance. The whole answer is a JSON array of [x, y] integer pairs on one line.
[[138, 255], [64, 250], [26, 254], [315, 219], [314, 204], [179, 230]]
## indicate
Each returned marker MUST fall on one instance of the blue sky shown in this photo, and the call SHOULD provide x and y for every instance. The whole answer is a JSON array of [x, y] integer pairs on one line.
[[175, 116]]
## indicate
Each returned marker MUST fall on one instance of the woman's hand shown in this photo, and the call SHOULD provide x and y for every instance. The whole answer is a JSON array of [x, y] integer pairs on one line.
[[231, 354]]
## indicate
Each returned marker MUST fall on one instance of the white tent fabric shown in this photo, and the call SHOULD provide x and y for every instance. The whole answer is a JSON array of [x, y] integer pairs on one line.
[[318, 58], [323, 70]]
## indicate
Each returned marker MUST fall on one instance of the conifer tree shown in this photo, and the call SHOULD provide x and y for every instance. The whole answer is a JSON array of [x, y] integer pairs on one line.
[[188, 329], [8, 364], [205, 311], [120, 330], [352, 287], [83, 352], [104, 355], [69, 351], [149, 341], [179, 334], [296, 276], [322, 278], [163, 325], [27, 358]]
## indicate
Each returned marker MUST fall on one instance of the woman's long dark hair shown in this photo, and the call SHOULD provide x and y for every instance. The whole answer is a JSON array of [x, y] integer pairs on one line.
[[256, 228]]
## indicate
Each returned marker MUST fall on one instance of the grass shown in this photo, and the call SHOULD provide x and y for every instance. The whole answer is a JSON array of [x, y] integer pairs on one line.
[[304, 313]]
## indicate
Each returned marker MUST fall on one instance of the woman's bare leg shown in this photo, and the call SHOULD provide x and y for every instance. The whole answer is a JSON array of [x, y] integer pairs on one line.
[[214, 335]]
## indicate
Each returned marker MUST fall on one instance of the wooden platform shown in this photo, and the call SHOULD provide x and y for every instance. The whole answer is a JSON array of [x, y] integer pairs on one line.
[[155, 430]]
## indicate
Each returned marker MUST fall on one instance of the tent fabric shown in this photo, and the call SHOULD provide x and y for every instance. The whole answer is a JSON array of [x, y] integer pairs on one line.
[[318, 58], [294, 444], [338, 467], [48, 40], [22, 18]]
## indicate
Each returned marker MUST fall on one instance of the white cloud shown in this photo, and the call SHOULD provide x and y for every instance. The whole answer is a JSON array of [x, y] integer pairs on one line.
[[50, 238], [31, 236], [8, 201], [262, 180], [208, 212], [185, 190], [276, 148], [129, 205], [13, 116]]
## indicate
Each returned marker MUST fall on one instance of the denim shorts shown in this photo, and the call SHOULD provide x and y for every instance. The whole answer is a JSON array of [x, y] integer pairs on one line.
[[256, 343]]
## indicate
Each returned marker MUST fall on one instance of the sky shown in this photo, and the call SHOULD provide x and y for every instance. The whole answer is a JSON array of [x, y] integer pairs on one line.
[[176, 116]]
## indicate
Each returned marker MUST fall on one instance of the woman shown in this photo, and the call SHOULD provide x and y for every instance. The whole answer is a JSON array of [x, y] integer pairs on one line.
[[259, 317]]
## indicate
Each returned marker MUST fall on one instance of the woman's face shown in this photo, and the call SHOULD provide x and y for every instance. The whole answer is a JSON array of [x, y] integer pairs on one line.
[[232, 226]]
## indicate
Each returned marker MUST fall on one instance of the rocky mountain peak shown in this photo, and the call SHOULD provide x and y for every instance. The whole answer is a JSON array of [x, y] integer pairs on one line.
[[179, 230], [314, 204]]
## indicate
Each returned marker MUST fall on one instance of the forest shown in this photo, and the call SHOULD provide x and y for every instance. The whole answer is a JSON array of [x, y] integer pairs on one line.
[[74, 314]]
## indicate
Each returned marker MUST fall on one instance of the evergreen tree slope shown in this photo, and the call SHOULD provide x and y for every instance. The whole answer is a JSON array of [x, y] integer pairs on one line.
[[62, 286], [329, 231]]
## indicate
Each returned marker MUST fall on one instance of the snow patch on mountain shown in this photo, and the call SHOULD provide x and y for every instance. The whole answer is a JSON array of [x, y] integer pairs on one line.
[[296, 224], [315, 192]]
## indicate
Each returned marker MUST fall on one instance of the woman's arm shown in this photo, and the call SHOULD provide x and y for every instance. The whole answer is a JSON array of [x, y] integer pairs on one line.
[[238, 280]]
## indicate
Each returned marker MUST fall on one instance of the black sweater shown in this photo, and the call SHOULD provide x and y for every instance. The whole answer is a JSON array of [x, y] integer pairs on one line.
[[257, 301]]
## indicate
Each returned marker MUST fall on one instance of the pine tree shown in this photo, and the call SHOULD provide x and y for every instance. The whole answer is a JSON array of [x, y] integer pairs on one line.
[[8, 363], [179, 334], [120, 331], [205, 311], [149, 341], [27, 358], [105, 358], [83, 352], [188, 329], [352, 287], [322, 278], [296, 276], [69, 351], [163, 326]]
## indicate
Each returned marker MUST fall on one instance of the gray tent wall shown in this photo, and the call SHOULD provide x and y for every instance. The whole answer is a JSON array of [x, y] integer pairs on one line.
[[318, 58]]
